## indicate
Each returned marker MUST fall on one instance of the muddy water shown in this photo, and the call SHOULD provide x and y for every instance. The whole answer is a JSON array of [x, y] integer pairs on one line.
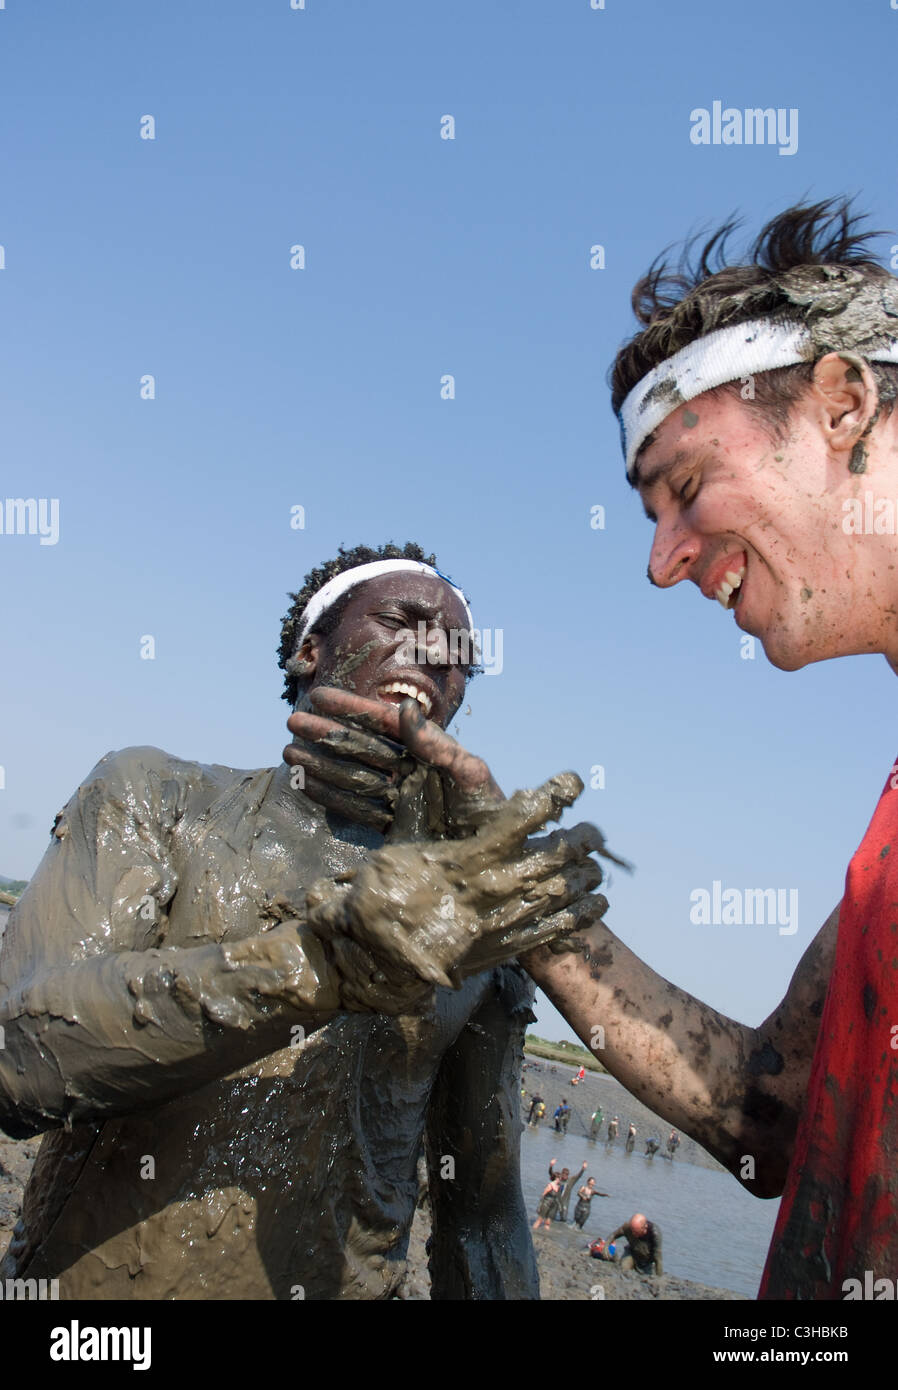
[[714, 1232]]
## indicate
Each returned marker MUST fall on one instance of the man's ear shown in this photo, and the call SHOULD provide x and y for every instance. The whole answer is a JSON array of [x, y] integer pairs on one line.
[[304, 662], [846, 390]]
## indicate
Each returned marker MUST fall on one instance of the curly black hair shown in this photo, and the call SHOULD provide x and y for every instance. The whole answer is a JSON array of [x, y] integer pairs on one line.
[[316, 579], [678, 304]]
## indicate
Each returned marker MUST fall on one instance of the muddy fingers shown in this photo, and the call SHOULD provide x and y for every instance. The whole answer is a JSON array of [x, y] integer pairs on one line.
[[561, 846], [540, 861], [350, 805], [364, 781], [551, 930], [545, 896], [503, 833], [432, 745], [347, 742], [365, 986], [372, 715]]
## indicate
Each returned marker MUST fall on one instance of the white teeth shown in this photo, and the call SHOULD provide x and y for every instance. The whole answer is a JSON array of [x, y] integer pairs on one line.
[[405, 688], [728, 586]]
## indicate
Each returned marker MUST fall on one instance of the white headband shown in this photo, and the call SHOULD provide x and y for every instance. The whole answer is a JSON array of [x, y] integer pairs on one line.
[[725, 355], [327, 596]]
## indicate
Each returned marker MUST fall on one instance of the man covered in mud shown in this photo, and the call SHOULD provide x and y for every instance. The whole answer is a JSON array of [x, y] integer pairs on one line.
[[228, 998], [568, 1183], [643, 1249]]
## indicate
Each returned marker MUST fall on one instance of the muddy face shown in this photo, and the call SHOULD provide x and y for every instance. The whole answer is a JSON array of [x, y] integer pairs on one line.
[[759, 526], [375, 651]]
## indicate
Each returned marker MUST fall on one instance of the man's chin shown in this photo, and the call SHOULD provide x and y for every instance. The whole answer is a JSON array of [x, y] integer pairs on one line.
[[786, 661], [794, 656], [779, 651]]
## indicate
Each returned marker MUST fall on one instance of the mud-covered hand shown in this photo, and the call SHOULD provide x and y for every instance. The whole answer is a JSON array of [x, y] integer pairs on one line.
[[314, 974], [447, 909], [353, 768], [353, 746]]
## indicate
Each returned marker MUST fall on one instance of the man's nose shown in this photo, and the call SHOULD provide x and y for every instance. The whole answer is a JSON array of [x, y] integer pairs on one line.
[[673, 553], [431, 647]]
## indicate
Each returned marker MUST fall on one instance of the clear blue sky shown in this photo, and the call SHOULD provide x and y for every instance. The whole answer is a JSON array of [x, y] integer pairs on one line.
[[320, 388]]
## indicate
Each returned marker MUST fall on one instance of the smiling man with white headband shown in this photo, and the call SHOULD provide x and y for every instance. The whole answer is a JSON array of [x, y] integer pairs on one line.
[[756, 407], [241, 1001]]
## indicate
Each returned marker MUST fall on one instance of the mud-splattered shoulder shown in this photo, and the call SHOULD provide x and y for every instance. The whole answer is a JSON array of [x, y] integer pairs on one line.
[[154, 786]]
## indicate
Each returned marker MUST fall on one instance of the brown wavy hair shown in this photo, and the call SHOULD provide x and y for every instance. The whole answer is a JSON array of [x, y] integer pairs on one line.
[[678, 303]]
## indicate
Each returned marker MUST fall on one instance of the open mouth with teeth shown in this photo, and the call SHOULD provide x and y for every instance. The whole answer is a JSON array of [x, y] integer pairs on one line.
[[394, 692], [729, 590]]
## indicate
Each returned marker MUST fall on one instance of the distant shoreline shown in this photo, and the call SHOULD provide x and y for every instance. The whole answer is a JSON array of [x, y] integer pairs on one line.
[[565, 1053]]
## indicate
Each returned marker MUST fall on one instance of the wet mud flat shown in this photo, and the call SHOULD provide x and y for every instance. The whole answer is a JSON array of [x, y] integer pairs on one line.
[[16, 1161], [566, 1270]]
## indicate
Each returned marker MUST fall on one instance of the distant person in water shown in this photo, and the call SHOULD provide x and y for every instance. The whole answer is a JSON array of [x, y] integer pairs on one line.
[[548, 1204], [585, 1195], [537, 1113], [534, 1102], [673, 1142], [631, 1138], [564, 1199], [652, 1145], [613, 1126], [561, 1117], [567, 1186], [563, 1178], [643, 1249], [596, 1123]]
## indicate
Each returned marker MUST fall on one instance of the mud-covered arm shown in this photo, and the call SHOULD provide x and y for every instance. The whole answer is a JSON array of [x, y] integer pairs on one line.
[[572, 1181], [481, 1234], [738, 1091], [97, 1016]]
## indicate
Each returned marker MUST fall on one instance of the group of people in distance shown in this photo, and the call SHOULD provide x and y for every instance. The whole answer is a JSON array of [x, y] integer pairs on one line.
[[642, 1251], [561, 1118], [553, 1204]]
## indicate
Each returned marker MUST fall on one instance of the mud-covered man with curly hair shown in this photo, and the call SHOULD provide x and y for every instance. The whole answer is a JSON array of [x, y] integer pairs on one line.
[[240, 1002]]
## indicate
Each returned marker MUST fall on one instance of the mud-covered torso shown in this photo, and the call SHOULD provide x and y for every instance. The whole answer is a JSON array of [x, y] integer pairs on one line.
[[295, 1177]]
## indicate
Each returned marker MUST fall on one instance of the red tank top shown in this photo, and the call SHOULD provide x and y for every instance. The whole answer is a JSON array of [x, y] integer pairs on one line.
[[838, 1214]]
